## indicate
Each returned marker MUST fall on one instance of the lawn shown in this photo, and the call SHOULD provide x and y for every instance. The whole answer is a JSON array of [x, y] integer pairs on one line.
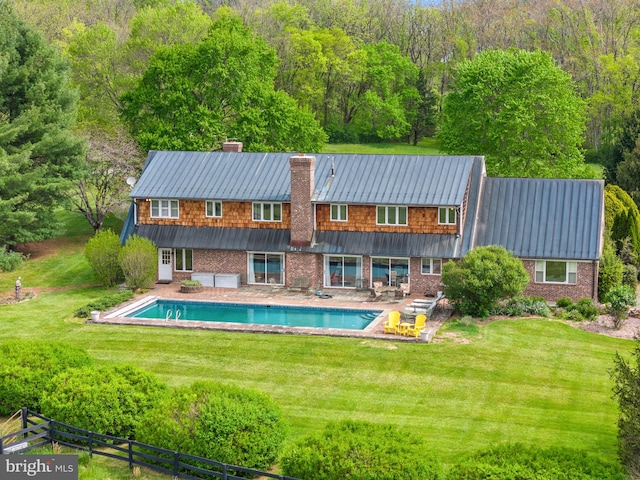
[[534, 381]]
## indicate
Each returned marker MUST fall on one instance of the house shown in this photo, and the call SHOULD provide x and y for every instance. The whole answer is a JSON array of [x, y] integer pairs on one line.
[[348, 221]]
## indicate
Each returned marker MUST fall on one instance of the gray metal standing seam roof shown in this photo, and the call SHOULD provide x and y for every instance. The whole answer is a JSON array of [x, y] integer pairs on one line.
[[357, 179], [542, 218]]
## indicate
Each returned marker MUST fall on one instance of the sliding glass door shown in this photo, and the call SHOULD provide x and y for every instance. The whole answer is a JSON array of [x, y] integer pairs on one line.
[[266, 268], [390, 271], [342, 271]]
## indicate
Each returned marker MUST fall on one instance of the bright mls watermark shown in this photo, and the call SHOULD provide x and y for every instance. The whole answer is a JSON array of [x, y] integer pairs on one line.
[[39, 467]]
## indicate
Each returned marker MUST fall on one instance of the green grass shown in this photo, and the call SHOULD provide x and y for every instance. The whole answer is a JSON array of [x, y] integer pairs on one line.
[[533, 381], [425, 147]]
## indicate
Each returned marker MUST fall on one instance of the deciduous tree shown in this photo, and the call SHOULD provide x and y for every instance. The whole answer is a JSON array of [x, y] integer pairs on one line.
[[192, 97], [520, 110]]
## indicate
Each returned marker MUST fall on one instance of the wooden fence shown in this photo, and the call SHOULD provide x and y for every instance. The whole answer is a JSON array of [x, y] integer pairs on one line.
[[38, 431]]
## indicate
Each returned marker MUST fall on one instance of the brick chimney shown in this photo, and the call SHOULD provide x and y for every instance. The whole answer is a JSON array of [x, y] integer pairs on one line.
[[232, 146], [302, 182]]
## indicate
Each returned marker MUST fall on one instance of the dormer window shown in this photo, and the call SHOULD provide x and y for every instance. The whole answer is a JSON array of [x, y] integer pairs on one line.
[[391, 215], [164, 209], [447, 216]]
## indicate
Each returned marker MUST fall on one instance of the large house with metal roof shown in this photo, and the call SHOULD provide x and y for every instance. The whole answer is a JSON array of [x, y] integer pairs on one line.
[[354, 221]]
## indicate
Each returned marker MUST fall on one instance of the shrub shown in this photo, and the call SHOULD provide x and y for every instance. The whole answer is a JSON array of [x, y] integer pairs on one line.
[[619, 299], [10, 260], [587, 308], [564, 302], [572, 315], [27, 367], [102, 252], [108, 400], [139, 262], [361, 451], [485, 275], [630, 276], [104, 303], [610, 271], [191, 283], [626, 389], [518, 306], [223, 423], [513, 461]]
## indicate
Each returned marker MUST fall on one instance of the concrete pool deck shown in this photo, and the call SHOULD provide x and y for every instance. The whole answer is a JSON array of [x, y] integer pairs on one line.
[[273, 295]]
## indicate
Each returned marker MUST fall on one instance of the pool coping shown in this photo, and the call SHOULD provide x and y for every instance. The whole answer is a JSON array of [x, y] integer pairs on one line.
[[373, 331]]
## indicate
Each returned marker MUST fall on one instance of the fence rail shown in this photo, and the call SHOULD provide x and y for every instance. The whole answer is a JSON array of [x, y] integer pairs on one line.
[[38, 431]]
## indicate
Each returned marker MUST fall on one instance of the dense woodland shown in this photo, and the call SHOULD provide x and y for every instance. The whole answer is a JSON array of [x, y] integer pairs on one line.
[[292, 75]]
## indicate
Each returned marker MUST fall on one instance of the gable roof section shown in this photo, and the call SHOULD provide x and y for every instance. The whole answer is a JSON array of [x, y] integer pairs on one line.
[[542, 218], [356, 179]]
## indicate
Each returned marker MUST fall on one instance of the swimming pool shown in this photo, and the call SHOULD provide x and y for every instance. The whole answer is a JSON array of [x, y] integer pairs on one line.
[[288, 316]]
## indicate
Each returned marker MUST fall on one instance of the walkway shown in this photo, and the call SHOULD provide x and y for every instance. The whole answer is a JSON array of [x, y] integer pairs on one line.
[[271, 295]]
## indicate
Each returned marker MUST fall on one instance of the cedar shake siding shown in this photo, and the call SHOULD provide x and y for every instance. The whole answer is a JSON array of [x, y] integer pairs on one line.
[[554, 220], [363, 218], [234, 215]]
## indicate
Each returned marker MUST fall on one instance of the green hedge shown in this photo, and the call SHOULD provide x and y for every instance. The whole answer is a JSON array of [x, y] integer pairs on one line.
[[223, 423], [361, 451], [104, 303], [27, 367], [519, 462], [109, 400]]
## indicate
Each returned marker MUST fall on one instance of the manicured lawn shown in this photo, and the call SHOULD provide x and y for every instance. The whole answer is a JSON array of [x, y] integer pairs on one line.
[[425, 147], [533, 381]]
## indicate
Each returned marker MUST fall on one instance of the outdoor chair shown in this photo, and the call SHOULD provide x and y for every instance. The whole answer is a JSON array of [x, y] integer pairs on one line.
[[392, 325], [417, 327]]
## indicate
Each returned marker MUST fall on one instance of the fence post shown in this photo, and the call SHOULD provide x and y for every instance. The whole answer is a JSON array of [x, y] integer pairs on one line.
[[52, 431], [130, 455], [176, 463], [24, 417], [224, 471], [90, 444]]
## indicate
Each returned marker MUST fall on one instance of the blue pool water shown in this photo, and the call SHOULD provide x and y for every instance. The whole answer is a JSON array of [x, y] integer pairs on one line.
[[258, 314]]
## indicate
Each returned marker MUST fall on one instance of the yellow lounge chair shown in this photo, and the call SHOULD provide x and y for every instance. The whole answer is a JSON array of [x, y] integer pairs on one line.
[[392, 325], [417, 327]]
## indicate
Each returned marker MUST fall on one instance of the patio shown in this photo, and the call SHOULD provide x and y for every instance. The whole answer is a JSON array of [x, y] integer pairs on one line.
[[270, 295]]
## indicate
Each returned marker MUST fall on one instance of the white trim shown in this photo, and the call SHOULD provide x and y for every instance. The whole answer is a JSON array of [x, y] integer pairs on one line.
[[162, 210], [339, 208], [571, 268], [262, 204], [431, 262], [448, 211]]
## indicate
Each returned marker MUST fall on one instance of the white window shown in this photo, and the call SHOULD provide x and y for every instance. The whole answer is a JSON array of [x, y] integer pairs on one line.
[[184, 259], [267, 212], [431, 266], [446, 215], [214, 208], [548, 271], [391, 215], [164, 209], [338, 213]]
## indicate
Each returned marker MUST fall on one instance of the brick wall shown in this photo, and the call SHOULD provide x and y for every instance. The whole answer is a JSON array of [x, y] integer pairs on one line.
[[307, 265], [586, 286]]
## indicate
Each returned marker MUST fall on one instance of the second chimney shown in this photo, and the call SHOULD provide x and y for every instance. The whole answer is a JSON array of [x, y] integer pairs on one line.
[[232, 146]]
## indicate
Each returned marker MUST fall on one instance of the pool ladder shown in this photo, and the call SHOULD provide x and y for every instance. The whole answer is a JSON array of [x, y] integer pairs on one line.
[[170, 312]]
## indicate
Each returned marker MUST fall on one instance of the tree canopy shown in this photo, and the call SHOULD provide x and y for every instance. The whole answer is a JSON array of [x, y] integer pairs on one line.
[[520, 110], [39, 154], [194, 96]]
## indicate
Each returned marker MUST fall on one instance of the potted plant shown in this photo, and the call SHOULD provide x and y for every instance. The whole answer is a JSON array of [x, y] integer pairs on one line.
[[190, 286]]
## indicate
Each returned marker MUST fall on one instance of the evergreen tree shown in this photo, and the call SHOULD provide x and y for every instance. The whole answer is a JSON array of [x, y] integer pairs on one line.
[[39, 154]]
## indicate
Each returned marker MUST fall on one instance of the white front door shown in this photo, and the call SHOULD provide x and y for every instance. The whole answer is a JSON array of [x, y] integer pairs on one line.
[[165, 266]]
